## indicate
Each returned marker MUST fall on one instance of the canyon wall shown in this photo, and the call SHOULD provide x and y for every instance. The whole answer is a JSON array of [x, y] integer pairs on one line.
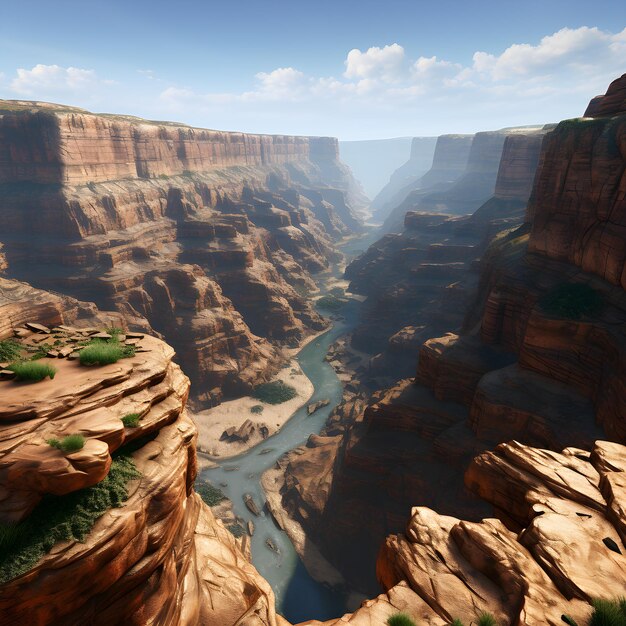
[[209, 238], [139, 548], [404, 177], [448, 164], [419, 282], [538, 359]]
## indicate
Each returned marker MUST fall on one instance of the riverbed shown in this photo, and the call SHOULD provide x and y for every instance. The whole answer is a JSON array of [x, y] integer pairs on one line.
[[298, 596]]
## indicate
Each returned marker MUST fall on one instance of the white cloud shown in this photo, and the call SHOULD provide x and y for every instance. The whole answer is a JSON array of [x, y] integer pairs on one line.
[[566, 49], [385, 64], [375, 88], [46, 78]]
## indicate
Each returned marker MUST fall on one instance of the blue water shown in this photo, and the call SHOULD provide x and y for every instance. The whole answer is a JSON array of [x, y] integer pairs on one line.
[[298, 596]]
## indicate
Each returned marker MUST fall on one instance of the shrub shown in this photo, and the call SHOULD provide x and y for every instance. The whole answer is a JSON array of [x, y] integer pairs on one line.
[[131, 420], [457, 622], [486, 619], [338, 292], [71, 443], [257, 408], [237, 530], [400, 619], [275, 392], [210, 494], [62, 518], [572, 301], [330, 303], [41, 351], [608, 613], [32, 371], [9, 350], [104, 352]]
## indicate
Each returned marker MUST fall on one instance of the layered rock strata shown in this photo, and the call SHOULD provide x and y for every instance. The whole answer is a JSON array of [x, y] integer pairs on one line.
[[539, 359], [448, 165], [157, 557], [209, 238]]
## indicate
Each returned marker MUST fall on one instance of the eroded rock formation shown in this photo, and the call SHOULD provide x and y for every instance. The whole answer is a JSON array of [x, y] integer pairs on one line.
[[533, 361], [209, 238], [159, 556]]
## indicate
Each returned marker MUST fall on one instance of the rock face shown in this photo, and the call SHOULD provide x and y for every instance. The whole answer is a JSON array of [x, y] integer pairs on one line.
[[420, 282], [612, 103], [476, 184], [404, 178], [448, 165], [159, 556], [206, 237], [531, 362]]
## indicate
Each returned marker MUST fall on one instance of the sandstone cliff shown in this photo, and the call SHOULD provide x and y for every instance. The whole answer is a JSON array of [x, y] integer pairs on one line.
[[448, 164], [407, 175], [139, 548], [539, 359], [207, 237], [419, 283], [555, 510]]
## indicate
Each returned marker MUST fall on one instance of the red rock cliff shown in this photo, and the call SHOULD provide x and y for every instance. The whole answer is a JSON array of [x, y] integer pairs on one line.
[[153, 555], [207, 237]]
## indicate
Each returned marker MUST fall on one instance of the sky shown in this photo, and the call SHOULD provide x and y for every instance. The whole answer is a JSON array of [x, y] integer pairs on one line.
[[346, 68]]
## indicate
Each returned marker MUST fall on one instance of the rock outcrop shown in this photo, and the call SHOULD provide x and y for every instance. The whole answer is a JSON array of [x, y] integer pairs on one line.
[[538, 359], [448, 165], [156, 554], [207, 237], [420, 282], [406, 176]]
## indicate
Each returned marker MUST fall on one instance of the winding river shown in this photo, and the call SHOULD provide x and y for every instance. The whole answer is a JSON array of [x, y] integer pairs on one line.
[[298, 596]]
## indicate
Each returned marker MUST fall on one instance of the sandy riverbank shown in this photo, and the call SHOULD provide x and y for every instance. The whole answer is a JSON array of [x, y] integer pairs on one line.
[[213, 422]]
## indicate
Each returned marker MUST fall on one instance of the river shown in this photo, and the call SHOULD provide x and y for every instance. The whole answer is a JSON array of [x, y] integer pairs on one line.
[[298, 596]]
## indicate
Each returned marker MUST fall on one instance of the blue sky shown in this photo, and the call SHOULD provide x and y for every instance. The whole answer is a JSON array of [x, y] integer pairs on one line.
[[353, 69]]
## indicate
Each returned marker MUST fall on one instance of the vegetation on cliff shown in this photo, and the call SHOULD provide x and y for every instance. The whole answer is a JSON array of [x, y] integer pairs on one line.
[[31, 371], [62, 518], [69, 444], [210, 495], [572, 301], [105, 352], [9, 350], [131, 420], [400, 619]]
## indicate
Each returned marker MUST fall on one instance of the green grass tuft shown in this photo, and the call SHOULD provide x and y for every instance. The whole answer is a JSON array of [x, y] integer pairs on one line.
[[257, 408], [400, 619], [131, 420], [237, 530], [105, 352], [330, 303], [457, 622], [62, 518], [608, 613], [571, 301], [32, 371], [210, 494], [275, 392], [69, 444], [9, 350], [486, 619]]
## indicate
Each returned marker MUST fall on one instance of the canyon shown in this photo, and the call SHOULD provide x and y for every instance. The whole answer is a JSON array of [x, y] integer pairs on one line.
[[515, 364], [206, 238], [476, 458]]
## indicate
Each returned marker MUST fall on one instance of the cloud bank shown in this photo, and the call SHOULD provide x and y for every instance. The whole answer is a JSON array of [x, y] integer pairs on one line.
[[379, 84]]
